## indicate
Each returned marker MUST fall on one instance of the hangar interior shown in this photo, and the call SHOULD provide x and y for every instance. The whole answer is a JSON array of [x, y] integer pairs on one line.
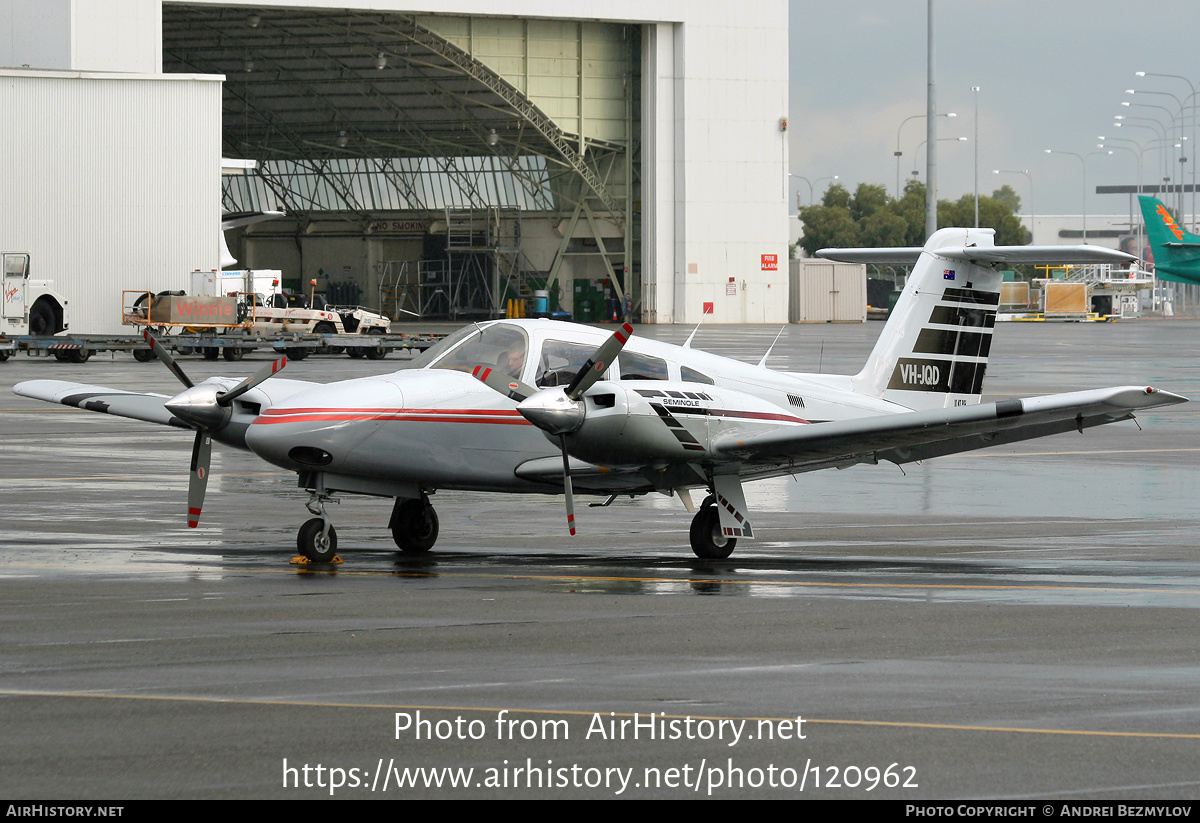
[[436, 165]]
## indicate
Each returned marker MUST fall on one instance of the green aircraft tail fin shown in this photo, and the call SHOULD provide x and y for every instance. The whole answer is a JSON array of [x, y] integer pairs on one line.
[[1176, 250]]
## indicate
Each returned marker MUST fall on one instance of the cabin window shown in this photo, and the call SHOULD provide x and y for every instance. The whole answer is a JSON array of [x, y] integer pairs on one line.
[[692, 376], [636, 366]]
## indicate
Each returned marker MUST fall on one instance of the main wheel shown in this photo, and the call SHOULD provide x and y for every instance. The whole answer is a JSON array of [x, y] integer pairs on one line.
[[707, 541], [297, 353], [377, 353], [232, 353], [78, 356], [414, 526], [143, 355], [4, 355], [356, 352], [211, 352], [314, 544], [324, 328]]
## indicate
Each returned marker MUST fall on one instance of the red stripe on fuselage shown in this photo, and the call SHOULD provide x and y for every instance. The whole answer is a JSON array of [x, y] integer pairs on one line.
[[508, 417]]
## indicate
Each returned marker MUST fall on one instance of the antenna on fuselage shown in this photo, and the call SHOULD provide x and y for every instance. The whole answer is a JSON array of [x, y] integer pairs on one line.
[[706, 309], [762, 364]]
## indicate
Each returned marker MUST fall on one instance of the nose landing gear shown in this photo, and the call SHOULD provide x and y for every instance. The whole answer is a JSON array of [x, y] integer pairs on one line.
[[317, 539]]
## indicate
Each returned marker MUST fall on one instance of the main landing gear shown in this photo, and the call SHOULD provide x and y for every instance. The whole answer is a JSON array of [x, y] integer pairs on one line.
[[414, 527], [708, 541]]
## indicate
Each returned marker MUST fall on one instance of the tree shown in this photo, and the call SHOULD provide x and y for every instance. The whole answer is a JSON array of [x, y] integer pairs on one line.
[[1008, 197], [871, 218]]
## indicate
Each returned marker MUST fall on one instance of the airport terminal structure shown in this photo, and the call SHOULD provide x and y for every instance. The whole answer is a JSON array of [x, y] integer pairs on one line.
[[430, 158]]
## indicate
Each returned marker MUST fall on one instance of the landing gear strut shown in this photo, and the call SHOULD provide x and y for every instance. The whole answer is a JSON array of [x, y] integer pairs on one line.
[[414, 525], [317, 539], [708, 542]]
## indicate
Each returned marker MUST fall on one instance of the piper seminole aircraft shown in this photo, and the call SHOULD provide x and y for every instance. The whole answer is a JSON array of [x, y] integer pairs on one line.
[[534, 406]]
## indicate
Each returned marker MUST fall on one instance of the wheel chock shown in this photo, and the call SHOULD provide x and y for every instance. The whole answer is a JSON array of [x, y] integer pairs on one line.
[[301, 560]]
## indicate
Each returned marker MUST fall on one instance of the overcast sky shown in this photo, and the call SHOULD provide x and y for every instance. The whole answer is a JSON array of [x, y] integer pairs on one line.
[[1052, 75]]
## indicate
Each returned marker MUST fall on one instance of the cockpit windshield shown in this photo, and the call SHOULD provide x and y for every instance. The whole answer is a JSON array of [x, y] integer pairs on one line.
[[500, 345]]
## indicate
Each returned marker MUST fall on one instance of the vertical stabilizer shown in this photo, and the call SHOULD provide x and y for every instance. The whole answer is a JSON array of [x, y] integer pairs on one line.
[[934, 349], [1176, 250]]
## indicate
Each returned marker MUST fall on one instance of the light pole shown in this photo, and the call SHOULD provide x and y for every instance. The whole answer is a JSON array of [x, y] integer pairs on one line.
[[1031, 212], [917, 153], [810, 185], [1138, 153], [1195, 92], [1083, 164], [975, 90], [898, 154]]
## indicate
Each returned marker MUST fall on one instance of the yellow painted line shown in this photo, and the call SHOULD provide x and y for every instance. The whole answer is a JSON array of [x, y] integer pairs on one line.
[[323, 704]]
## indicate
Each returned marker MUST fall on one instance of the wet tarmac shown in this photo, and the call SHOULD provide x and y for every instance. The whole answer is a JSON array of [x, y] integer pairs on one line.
[[1014, 623]]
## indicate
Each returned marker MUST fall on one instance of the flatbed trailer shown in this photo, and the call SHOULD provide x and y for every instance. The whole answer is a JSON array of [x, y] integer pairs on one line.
[[77, 348]]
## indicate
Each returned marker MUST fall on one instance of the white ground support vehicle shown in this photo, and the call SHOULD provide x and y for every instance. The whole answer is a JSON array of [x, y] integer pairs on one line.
[[269, 310], [30, 307]]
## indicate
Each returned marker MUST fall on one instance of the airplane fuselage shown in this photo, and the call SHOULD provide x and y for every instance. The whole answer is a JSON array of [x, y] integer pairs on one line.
[[440, 428]]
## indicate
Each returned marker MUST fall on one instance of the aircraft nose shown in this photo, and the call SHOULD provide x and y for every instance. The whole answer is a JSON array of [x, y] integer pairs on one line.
[[319, 427]]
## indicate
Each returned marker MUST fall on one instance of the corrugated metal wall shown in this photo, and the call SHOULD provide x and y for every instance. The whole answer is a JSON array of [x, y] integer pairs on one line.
[[826, 292], [111, 182]]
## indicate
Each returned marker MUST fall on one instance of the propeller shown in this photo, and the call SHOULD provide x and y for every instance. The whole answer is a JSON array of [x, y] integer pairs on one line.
[[206, 408], [559, 411]]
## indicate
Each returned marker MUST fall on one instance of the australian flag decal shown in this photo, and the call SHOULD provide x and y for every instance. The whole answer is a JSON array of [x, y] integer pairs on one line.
[[948, 274]]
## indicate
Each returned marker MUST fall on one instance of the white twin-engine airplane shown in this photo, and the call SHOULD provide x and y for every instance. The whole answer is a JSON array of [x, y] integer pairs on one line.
[[540, 407]]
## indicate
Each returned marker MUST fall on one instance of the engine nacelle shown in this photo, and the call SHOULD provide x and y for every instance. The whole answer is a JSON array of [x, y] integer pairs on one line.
[[635, 422]]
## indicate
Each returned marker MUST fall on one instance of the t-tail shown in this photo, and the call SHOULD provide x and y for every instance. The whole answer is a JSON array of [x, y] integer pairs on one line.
[[934, 349], [1176, 250]]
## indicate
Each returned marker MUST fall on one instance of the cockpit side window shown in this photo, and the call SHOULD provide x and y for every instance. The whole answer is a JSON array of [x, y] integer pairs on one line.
[[561, 361], [499, 346]]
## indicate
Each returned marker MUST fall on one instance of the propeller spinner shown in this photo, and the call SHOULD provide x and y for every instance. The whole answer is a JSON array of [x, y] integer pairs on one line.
[[206, 408], [559, 411]]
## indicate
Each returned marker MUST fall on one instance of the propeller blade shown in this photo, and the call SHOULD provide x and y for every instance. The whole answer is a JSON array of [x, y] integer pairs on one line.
[[168, 361], [562, 438], [499, 381], [250, 382], [201, 457], [599, 361]]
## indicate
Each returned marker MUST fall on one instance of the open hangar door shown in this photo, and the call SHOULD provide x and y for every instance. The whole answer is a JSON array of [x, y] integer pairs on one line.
[[434, 165]]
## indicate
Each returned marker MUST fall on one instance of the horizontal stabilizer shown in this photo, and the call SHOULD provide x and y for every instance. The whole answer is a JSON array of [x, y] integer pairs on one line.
[[1050, 255]]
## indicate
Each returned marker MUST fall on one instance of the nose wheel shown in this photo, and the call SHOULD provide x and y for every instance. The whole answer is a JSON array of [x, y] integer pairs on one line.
[[317, 539]]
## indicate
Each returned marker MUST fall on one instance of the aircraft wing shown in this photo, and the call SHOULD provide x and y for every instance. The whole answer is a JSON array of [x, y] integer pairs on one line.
[[137, 406], [920, 435], [1045, 255]]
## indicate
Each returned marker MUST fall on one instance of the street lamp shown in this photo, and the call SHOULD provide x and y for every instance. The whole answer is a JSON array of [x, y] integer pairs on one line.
[[899, 153], [1030, 211], [810, 185], [975, 90], [917, 153], [1082, 163]]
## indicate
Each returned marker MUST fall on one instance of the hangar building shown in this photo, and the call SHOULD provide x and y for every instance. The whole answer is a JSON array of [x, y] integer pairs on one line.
[[431, 158]]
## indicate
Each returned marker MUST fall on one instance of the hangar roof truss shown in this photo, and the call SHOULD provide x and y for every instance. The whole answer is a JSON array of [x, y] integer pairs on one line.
[[358, 111]]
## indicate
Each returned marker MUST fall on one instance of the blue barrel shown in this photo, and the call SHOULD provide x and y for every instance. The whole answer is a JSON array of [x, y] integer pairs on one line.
[[541, 301]]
